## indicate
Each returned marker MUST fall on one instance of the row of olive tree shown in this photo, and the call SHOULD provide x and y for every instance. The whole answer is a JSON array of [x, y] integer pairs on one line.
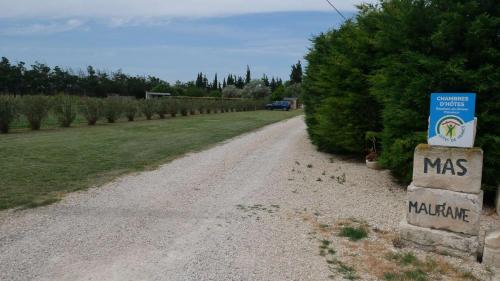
[[65, 108]]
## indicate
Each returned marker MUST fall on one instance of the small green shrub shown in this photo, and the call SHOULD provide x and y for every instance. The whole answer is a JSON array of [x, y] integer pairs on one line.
[[353, 233], [130, 107], [163, 107], [9, 108], [191, 106], [200, 106], [223, 106], [65, 108], [183, 108], [91, 109], [208, 106], [113, 108], [36, 109], [211, 106], [148, 108], [172, 106]]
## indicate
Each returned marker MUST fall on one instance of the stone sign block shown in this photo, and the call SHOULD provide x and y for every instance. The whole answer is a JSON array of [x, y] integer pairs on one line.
[[439, 241], [456, 169], [444, 209]]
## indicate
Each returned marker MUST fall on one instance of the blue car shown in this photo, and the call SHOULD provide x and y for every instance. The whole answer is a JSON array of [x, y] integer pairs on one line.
[[283, 105]]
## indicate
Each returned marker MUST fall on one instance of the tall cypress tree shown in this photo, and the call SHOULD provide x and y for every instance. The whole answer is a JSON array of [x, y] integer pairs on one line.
[[248, 77], [265, 80], [200, 83], [279, 82], [215, 84], [205, 82], [240, 83], [296, 74], [272, 85], [230, 80]]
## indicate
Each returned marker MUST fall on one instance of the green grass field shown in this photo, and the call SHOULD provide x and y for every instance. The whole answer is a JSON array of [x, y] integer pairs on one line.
[[38, 168]]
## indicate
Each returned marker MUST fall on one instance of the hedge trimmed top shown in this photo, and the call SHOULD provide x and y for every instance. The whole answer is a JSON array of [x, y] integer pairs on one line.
[[376, 73]]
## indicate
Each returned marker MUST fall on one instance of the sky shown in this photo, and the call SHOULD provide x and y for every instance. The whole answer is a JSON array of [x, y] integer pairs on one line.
[[170, 39]]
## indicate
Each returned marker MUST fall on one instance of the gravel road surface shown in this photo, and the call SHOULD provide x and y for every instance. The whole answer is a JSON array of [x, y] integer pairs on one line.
[[252, 208]]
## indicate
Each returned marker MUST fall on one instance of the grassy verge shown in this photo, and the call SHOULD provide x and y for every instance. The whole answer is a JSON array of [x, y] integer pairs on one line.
[[37, 168]]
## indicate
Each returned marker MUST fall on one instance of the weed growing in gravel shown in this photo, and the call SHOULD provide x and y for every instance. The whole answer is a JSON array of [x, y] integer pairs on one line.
[[258, 208], [335, 265], [416, 275], [341, 179], [309, 165], [397, 242], [412, 268], [404, 258], [376, 257], [353, 233], [468, 275], [348, 272], [324, 244]]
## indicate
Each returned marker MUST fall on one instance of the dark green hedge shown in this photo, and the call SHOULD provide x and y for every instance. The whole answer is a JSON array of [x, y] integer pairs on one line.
[[376, 73]]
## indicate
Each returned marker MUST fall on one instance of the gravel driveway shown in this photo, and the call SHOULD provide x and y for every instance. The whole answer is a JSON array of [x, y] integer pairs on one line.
[[247, 209]]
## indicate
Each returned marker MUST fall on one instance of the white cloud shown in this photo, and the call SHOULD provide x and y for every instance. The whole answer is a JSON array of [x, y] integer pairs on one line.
[[126, 9], [37, 28]]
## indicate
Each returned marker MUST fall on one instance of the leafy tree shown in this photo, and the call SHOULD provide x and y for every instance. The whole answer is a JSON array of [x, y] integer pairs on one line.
[[215, 93], [339, 107], [278, 93], [256, 90], [231, 92], [162, 88], [293, 90], [194, 92]]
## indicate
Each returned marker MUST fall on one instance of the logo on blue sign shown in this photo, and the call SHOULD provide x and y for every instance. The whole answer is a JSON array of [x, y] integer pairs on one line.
[[452, 121]]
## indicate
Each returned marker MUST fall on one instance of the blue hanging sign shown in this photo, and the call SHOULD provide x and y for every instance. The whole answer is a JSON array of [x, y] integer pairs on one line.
[[452, 122]]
